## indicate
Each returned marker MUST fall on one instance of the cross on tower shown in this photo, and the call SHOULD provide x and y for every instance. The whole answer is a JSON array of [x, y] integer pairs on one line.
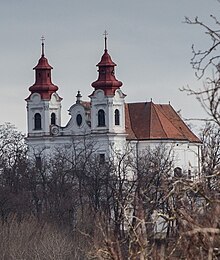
[[105, 34], [42, 39], [42, 44]]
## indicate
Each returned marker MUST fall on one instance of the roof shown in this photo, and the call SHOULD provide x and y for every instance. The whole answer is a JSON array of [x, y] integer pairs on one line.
[[43, 64], [149, 121], [86, 105], [106, 78], [106, 60], [43, 82]]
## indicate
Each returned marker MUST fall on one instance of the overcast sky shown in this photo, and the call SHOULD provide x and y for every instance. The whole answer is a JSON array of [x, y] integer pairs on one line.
[[147, 39]]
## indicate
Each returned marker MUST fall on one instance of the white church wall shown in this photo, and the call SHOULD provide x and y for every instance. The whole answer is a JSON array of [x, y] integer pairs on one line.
[[185, 154], [44, 107]]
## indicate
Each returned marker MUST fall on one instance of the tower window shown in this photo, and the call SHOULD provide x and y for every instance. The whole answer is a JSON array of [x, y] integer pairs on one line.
[[37, 121], [101, 117], [102, 158], [79, 119], [53, 119], [117, 117]]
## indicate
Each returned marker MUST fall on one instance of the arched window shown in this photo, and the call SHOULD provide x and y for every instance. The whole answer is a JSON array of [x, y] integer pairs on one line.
[[37, 121], [79, 120], [101, 117], [117, 117], [53, 119]]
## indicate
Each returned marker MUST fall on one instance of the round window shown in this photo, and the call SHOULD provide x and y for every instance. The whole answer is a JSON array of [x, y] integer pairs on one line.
[[79, 119]]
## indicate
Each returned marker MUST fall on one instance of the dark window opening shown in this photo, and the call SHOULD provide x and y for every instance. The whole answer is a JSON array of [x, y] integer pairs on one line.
[[178, 172], [117, 117], [53, 119], [189, 174], [101, 118], [102, 158], [37, 121], [38, 162], [79, 120], [102, 71]]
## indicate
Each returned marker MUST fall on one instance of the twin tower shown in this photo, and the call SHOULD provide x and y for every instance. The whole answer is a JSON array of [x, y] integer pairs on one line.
[[102, 119], [105, 125]]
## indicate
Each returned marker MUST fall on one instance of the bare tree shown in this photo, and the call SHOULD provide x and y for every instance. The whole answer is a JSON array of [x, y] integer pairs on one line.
[[204, 59], [130, 208], [204, 235], [210, 136], [13, 165], [205, 62], [136, 188]]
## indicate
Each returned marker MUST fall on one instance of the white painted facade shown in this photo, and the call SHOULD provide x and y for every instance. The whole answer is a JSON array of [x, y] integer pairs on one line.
[[100, 122], [105, 138], [45, 108]]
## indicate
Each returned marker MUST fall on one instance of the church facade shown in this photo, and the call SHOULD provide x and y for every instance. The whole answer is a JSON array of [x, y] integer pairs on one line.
[[107, 121]]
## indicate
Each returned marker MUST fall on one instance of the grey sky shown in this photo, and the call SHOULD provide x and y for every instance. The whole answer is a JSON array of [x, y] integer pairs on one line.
[[147, 39]]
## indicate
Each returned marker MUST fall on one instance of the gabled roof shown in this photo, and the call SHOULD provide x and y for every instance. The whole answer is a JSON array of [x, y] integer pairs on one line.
[[149, 121]]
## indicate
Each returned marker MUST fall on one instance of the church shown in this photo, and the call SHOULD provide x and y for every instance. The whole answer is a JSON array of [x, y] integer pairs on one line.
[[106, 120]]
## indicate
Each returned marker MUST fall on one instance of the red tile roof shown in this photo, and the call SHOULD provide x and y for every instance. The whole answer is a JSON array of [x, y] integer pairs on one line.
[[149, 121], [86, 105], [106, 79], [43, 82]]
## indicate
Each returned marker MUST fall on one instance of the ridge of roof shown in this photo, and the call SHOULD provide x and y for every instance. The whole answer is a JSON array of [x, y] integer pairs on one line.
[[183, 128], [159, 119], [168, 126]]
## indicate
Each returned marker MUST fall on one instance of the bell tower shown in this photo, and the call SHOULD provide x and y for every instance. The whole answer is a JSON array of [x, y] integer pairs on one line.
[[43, 104], [107, 101]]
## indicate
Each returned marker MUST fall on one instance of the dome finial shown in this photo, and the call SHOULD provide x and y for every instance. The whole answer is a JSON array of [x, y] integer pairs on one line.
[[78, 97], [105, 34], [42, 45]]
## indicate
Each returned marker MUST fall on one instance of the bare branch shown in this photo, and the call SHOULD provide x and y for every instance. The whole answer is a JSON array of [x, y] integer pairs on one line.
[[202, 59]]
